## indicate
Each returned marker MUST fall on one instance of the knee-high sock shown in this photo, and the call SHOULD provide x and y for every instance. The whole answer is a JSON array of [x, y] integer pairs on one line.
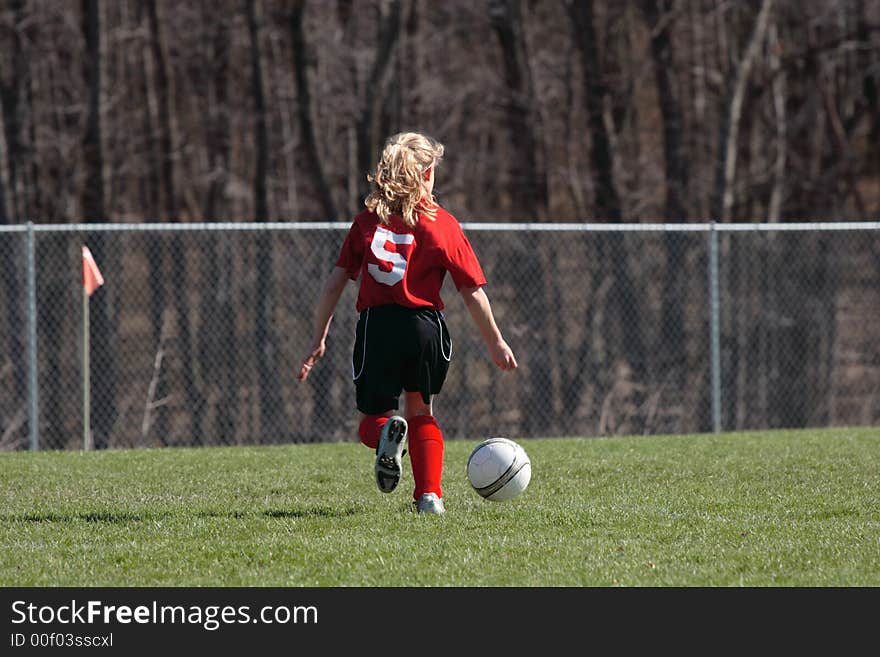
[[426, 454], [370, 428]]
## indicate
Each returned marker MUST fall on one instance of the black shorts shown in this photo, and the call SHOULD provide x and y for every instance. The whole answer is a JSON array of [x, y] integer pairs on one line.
[[396, 349]]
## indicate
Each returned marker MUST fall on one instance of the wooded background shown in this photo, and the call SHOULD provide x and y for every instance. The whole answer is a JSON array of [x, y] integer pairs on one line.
[[602, 111]]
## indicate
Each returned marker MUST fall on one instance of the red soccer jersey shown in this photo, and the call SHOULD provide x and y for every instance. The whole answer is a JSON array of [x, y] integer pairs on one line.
[[406, 266]]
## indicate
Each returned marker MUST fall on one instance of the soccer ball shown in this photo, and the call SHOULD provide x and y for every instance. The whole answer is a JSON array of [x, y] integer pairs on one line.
[[499, 469]]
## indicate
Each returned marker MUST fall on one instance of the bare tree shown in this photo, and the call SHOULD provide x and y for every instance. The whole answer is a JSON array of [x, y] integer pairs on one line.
[[661, 22], [274, 429], [316, 168], [725, 193], [103, 357], [529, 191], [175, 257], [606, 198], [217, 348], [10, 93], [369, 137]]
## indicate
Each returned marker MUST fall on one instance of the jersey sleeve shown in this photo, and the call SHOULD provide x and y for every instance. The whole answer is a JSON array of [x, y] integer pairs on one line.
[[462, 263], [351, 254]]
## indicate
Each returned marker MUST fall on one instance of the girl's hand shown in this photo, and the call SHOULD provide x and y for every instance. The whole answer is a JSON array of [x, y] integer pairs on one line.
[[309, 361], [502, 355]]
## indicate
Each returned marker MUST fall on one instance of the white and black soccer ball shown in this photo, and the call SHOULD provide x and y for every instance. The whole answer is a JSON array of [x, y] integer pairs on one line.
[[499, 469]]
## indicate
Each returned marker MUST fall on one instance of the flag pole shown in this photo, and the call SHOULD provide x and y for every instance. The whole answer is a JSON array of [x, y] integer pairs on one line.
[[91, 281], [87, 433]]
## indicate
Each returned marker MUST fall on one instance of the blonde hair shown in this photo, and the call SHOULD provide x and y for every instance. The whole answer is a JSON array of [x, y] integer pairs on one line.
[[400, 178]]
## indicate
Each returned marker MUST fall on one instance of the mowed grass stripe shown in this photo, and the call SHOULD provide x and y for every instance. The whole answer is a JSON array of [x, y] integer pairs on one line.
[[785, 508]]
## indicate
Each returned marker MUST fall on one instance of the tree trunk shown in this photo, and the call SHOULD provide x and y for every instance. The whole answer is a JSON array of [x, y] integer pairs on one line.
[[10, 96], [217, 348], [273, 427], [158, 179], [102, 358], [175, 255], [315, 165], [11, 267], [607, 201], [672, 339], [725, 196], [777, 195], [368, 137], [870, 91], [414, 63], [528, 202]]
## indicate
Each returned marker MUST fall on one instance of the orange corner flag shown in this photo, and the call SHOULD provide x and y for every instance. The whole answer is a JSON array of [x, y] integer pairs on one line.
[[92, 278]]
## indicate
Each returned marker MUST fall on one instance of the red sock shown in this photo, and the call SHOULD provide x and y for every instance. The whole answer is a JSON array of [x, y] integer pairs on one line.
[[370, 428], [426, 454]]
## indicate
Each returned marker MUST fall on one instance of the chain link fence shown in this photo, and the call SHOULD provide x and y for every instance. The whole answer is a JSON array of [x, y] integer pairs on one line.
[[197, 334]]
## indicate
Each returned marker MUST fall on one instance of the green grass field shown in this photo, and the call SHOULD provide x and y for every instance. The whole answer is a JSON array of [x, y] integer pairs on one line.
[[790, 508]]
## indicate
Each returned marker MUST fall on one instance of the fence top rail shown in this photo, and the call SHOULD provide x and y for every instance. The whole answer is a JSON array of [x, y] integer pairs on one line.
[[467, 225]]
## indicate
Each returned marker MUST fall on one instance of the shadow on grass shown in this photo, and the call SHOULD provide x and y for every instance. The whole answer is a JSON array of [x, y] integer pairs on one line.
[[91, 516], [306, 512], [121, 517], [313, 512]]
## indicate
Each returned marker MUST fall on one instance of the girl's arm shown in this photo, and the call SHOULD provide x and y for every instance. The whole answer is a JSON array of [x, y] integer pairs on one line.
[[333, 288], [481, 311]]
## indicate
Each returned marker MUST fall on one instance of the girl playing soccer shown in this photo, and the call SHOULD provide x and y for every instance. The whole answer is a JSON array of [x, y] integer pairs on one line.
[[401, 248]]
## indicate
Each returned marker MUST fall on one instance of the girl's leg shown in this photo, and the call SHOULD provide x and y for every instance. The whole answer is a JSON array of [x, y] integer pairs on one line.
[[425, 445], [414, 405], [370, 428]]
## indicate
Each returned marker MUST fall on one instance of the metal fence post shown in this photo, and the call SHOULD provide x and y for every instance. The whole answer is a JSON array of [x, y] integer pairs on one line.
[[714, 329], [33, 388]]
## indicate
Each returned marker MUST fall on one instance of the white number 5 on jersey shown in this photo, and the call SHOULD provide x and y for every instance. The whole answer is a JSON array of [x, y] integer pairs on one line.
[[398, 262]]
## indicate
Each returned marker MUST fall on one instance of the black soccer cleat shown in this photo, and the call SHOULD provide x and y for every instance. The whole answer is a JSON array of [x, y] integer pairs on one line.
[[389, 452]]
